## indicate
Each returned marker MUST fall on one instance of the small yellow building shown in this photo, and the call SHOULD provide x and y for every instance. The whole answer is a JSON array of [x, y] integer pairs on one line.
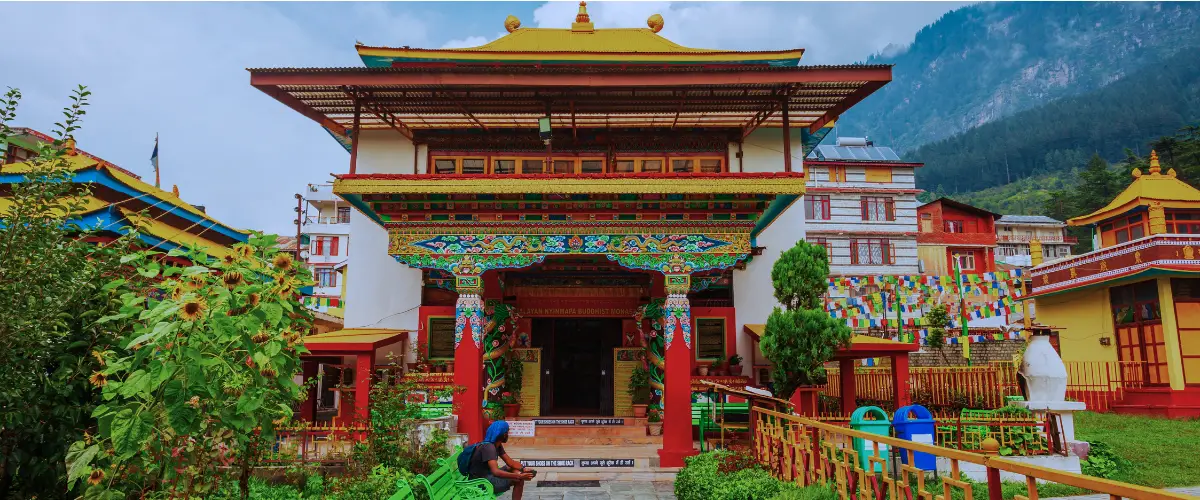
[[1135, 301]]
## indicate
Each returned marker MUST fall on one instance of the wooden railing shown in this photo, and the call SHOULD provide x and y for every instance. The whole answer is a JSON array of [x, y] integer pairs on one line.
[[808, 452], [316, 443], [1096, 383]]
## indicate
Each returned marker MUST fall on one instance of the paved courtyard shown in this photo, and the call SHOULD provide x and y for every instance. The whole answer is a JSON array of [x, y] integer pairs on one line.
[[614, 490]]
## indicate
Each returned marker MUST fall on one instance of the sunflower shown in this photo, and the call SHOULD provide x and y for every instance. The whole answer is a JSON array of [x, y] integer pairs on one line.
[[262, 337], [98, 379], [99, 357], [178, 291], [282, 261], [252, 299], [192, 309], [232, 279], [96, 476], [286, 290], [243, 250], [196, 281], [268, 372], [229, 259]]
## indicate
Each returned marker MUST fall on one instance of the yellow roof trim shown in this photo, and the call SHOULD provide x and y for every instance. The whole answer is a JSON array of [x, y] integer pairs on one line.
[[162, 230], [1151, 187], [632, 185]]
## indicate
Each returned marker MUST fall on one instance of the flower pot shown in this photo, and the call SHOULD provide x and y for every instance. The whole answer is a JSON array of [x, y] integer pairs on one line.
[[449, 367], [702, 371], [639, 411], [735, 370], [512, 410], [655, 428]]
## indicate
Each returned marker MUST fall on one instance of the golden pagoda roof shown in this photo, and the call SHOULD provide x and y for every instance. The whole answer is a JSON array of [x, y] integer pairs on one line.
[[582, 43], [1154, 186]]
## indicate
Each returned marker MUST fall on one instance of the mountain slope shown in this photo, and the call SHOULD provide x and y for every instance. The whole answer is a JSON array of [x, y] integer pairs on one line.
[[986, 61], [1061, 135]]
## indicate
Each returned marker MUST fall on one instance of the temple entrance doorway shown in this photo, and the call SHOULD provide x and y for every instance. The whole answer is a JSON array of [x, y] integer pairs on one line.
[[577, 369]]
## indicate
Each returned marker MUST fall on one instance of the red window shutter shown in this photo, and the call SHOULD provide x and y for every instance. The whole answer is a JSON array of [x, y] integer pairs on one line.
[[825, 206], [863, 206], [854, 252], [333, 246], [889, 252], [890, 207], [320, 246]]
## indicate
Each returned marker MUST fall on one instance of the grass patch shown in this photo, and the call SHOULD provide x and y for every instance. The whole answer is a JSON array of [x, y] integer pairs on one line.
[[1161, 452]]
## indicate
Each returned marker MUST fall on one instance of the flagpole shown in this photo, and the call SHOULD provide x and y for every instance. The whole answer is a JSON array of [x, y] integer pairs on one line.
[[962, 313]]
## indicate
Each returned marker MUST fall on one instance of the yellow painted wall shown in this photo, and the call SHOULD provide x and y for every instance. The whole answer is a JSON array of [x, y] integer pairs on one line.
[[1085, 318], [933, 259]]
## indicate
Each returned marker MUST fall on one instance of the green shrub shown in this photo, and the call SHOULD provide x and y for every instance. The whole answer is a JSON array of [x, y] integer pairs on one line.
[[811, 492], [1102, 461], [701, 479]]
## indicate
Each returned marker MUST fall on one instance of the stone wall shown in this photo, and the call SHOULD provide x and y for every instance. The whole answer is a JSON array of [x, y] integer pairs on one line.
[[982, 353]]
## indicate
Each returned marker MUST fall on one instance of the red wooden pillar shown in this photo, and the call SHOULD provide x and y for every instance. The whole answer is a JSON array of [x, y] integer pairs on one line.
[[787, 135], [677, 400], [364, 367], [354, 137], [900, 380], [468, 364], [846, 373], [308, 409]]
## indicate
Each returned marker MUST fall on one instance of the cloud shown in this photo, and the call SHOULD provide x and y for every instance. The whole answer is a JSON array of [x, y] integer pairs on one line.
[[471, 41]]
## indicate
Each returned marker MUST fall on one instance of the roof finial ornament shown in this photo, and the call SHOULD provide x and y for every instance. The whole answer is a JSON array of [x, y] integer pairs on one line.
[[175, 190], [655, 22], [583, 22], [1155, 168], [511, 23], [69, 145], [582, 16]]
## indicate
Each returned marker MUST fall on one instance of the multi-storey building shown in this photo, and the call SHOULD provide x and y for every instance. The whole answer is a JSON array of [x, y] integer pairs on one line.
[[861, 205], [1015, 232], [325, 244], [575, 178], [949, 232]]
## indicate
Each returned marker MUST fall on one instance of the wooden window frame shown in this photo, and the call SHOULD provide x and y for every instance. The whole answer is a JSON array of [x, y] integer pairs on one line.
[[889, 208], [637, 162], [1109, 237], [428, 337], [823, 243], [868, 170], [887, 251], [836, 174], [947, 224], [810, 203], [724, 336], [957, 256]]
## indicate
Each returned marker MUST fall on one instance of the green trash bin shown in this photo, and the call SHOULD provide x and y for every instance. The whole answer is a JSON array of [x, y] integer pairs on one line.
[[874, 420]]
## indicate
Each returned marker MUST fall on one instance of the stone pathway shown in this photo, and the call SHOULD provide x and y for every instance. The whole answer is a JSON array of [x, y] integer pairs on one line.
[[608, 490], [1191, 490]]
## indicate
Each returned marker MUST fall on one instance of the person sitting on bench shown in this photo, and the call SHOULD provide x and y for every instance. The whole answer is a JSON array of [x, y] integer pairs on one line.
[[485, 455]]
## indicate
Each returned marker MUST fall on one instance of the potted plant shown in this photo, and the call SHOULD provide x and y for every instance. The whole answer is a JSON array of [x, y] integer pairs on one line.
[[735, 365], [449, 366], [439, 366], [717, 367], [639, 390], [422, 365], [654, 421], [702, 370], [512, 405], [492, 413], [800, 338]]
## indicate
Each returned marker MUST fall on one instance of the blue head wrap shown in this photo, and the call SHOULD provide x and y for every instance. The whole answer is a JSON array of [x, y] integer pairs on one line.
[[494, 431]]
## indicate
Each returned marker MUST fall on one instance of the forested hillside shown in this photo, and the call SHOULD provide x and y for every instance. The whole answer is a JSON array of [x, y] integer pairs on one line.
[[984, 62], [1057, 137]]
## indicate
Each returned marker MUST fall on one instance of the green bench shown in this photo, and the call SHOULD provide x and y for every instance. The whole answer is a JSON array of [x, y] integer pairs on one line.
[[734, 416], [446, 483]]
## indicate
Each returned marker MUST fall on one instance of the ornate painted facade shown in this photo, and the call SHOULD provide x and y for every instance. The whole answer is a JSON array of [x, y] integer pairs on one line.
[[592, 180]]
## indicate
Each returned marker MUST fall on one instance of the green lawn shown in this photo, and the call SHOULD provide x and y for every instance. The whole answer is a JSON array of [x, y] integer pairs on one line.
[[1161, 452]]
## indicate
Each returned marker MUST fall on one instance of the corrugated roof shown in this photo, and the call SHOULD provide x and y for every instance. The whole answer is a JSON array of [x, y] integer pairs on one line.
[[1028, 219], [854, 153]]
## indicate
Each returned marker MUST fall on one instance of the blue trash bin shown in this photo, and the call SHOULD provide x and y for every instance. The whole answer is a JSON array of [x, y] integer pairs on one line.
[[915, 423]]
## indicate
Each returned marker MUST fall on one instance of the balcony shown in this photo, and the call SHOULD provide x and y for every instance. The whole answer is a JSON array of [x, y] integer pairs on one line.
[[326, 225], [316, 193], [1020, 238]]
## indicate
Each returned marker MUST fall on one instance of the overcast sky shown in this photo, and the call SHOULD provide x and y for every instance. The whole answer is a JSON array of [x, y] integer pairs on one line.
[[178, 70]]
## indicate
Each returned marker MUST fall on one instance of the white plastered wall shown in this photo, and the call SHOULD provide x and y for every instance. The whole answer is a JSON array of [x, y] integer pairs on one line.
[[380, 292], [753, 297]]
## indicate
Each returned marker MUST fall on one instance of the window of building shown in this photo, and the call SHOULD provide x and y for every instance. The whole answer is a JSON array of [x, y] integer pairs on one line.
[[710, 338], [871, 252], [710, 166], [531, 166], [445, 166], [837, 174], [474, 166], [441, 337], [325, 245], [624, 166], [1183, 222], [878, 208], [326, 277], [591, 166], [816, 207], [926, 223], [878, 174], [343, 215], [504, 167], [564, 166], [1123, 230], [683, 165], [652, 165], [953, 226], [966, 260]]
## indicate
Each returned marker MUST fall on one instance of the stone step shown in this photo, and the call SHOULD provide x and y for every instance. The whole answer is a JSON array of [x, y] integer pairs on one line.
[[591, 431], [584, 440]]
